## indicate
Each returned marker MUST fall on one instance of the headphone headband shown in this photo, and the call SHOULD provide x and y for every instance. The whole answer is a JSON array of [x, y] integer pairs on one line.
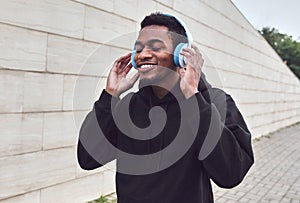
[[187, 32]]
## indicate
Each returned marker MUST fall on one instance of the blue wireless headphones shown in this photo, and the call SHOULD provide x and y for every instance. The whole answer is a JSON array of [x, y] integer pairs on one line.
[[179, 59]]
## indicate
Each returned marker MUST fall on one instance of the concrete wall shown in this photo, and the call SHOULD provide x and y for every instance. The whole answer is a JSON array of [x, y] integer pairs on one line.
[[46, 45]]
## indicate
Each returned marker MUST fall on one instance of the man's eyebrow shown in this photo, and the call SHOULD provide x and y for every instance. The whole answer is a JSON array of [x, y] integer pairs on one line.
[[150, 42]]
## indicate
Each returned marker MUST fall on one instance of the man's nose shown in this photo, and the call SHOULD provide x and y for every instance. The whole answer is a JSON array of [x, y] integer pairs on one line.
[[145, 53]]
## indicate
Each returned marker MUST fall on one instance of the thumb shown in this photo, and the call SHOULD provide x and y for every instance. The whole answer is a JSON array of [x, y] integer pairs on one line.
[[181, 72]]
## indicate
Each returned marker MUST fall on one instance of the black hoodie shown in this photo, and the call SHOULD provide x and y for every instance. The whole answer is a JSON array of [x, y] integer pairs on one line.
[[215, 146]]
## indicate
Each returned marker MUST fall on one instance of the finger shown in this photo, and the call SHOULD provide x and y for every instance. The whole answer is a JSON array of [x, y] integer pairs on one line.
[[187, 51], [127, 68], [134, 78], [189, 54], [198, 53], [193, 51], [121, 65], [124, 63], [193, 56], [122, 58], [186, 54], [118, 62], [195, 48]]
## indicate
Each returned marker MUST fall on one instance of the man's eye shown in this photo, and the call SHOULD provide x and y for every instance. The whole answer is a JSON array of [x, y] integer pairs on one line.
[[156, 48], [139, 50]]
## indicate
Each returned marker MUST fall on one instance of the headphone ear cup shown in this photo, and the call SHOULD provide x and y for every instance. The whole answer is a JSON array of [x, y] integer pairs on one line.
[[179, 59], [132, 59]]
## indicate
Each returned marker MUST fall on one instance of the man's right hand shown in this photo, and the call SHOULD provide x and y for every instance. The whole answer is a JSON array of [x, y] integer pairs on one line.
[[117, 83]]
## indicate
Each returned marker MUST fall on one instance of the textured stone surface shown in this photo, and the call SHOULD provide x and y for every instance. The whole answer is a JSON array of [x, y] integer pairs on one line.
[[31, 197], [12, 93], [79, 190], [58, 16], [106, 5], [20, 133], [42, 92], [24, 49], [32, 171], [59, 130], [67, 55], [76, 96], [114, 30]]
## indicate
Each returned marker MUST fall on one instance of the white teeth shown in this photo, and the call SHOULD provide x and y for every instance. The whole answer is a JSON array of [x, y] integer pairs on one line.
[[147, 66]]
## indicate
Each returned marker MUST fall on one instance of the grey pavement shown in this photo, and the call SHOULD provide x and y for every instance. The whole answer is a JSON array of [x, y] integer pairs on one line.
[[275, 175]]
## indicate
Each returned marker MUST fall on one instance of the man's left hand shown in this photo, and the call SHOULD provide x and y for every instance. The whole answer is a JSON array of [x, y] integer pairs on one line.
[[190, 76]]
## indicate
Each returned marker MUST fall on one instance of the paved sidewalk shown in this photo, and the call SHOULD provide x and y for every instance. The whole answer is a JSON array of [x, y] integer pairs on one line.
[[275, 176]]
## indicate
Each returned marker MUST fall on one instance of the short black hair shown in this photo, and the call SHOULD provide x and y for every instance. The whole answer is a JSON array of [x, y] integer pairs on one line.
[[176, 30]]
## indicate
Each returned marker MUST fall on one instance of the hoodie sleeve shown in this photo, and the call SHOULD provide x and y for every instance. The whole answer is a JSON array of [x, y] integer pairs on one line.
[[226, 150], [98, 134]]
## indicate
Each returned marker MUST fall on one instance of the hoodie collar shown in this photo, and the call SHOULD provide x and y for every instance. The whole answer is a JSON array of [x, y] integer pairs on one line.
[[148, 95], [203, 84]]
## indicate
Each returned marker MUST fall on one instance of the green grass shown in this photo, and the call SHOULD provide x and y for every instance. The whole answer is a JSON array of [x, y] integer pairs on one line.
[[104, 199]]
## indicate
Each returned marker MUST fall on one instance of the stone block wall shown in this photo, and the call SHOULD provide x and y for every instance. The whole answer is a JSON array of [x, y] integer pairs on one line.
[[48, 48]]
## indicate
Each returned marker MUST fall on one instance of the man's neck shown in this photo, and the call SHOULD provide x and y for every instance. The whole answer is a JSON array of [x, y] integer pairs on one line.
[[164, 88]]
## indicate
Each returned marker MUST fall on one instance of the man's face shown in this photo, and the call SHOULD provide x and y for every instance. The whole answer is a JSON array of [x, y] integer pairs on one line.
[[154, 54]]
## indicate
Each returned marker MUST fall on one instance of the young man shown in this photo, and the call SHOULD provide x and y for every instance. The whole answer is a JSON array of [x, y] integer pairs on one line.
[[172, 136]]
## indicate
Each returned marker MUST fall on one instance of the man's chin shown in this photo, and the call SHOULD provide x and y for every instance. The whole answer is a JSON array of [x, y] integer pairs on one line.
[[144, 82]]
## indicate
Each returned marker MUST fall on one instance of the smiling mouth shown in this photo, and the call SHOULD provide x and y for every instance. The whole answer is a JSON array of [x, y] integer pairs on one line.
[[146, 67]]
